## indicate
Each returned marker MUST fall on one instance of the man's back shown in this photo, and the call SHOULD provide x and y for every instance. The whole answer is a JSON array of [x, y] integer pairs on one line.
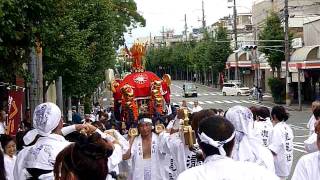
[[41, 155], [217, 167]]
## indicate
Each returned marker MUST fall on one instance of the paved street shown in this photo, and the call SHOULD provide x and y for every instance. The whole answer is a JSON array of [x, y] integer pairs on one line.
[[212, 98]]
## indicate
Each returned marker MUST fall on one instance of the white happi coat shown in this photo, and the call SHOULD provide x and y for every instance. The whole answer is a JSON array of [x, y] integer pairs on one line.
[[310, 144], [218, 167], [137, 169], [308, 167], [180, 157], [282, 145], [41, 155], [263, 131], [9, 165], [310, 124], [116, 157]]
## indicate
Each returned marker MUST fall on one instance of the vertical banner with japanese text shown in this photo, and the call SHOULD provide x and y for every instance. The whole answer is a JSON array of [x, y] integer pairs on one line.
[[14, 111]]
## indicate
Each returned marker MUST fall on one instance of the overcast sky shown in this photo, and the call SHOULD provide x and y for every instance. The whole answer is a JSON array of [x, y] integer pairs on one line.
[[170, 14]]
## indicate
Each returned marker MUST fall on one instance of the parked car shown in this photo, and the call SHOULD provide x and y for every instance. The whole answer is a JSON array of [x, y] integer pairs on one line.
[[235, 88], [190, 89]]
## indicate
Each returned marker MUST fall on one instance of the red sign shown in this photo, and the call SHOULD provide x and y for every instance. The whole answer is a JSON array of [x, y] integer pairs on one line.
[[14, 111]]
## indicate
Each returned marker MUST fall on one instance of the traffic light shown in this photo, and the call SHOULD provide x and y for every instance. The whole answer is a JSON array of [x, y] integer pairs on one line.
[[249, 47]]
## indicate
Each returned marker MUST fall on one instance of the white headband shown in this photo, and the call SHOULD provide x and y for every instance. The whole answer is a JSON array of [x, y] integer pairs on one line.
[[218, 144], [145, 120]]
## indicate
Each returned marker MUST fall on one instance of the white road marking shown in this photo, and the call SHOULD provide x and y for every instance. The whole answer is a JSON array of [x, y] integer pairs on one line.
[[303, 136], [205, 94], [229, 102], [301, 143], [245, 101], [200, 102], [209, 102], [178, 95], [220, 102], [297, 127], [213, 94], [177, 86], [303, 151], [296, 145], [236, 101], [254, 102]]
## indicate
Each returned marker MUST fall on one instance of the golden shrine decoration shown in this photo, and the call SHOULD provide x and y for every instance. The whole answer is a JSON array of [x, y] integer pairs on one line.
[[137, 51], [128, 102], [156, 100]]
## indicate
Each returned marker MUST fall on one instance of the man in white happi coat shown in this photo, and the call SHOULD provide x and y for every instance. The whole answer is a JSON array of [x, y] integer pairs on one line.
[[216, 138], [44, 143], [310, 144], [196, 107], [308, 166], [312, 119], [145, 154], [263, 126]]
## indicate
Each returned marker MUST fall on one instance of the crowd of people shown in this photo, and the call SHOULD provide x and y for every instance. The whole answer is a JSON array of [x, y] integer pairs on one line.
[[241, 143]]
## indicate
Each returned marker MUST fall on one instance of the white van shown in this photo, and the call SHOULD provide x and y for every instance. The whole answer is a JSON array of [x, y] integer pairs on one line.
[[234, 88]]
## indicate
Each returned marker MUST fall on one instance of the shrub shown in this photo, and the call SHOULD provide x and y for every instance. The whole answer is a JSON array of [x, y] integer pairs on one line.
[[277, 87]]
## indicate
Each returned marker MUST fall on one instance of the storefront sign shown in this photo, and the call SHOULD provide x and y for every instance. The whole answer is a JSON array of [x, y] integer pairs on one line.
[[297, 43], [295, 77]]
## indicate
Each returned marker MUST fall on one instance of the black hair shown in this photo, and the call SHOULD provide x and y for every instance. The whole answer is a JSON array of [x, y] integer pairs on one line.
[[214, 110], [86, 159], [197, 117], [219, 129], [280, 113], [316, 112], [263, 112], [254, 111], [5, 139]]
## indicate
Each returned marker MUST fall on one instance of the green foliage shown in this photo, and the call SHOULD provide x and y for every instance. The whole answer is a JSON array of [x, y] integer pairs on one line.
[[79, 38], [273, 30], [208, 55], [277, 89]]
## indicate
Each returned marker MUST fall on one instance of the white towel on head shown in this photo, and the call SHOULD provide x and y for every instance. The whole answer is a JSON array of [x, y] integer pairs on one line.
[[46, 118], [247, 146]]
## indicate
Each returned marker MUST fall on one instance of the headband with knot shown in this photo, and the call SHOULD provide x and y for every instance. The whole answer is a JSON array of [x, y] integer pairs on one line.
[[217, 144]]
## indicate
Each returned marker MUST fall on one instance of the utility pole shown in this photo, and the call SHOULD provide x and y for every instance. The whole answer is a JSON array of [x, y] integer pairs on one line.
[[286, 49], [150, 40], [256, 60], [203, 17], [163, 35], [236, 76], [185, 26]]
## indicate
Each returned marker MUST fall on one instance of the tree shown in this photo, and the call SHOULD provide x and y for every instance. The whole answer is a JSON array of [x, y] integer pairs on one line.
[[85, 40], [219, 51], [273, 30], [21, 23]]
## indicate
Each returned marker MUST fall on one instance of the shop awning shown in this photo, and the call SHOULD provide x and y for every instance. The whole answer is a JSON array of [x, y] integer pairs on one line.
[[243, 60], [307, 57], [305, 53]]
